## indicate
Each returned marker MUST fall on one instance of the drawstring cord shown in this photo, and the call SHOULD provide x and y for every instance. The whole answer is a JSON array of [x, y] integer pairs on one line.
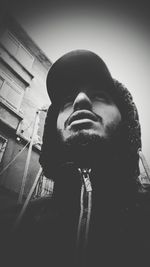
[[85, 212], [81, 215]]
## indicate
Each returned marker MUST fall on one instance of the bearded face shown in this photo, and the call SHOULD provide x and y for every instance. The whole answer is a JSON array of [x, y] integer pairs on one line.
[[89, 116]]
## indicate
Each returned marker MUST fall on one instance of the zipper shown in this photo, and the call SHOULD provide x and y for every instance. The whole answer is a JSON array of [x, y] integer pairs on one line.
[[85, 214]]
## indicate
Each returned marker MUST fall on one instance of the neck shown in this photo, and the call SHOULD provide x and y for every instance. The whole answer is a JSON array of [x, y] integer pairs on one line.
[[105, 178], [93, 154]]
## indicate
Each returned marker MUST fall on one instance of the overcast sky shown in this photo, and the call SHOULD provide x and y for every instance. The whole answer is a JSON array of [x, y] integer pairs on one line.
[[119, 31]]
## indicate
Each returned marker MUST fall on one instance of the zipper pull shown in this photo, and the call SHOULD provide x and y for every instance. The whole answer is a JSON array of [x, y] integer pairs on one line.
[[85, 176]]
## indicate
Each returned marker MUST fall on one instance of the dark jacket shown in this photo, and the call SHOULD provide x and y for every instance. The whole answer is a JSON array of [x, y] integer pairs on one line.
[[119, 229], [119, 232]]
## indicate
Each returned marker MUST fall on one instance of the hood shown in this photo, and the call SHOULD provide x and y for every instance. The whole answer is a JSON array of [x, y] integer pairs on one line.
[[51, 158], [81, 68]]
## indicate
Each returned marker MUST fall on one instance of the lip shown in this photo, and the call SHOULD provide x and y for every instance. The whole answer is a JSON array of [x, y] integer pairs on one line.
[[82, 116]]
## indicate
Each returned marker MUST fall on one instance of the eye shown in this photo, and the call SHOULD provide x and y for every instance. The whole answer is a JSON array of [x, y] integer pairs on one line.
[[67, 102], [101, 96]]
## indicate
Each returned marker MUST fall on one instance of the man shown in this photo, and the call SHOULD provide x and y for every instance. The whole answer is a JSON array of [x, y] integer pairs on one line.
[[98, 214], [92, 134]]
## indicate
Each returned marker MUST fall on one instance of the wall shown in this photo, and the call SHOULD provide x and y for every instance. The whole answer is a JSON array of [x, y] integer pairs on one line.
[[23, 70]]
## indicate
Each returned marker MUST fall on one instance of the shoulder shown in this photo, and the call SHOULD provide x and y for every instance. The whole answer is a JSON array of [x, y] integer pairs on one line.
[[39, 211]]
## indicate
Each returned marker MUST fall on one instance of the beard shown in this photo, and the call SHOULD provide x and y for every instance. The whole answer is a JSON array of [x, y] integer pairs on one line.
[[85, 148]]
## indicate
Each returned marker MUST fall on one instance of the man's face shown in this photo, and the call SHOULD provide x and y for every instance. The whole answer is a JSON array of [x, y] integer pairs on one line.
[[88, 113]]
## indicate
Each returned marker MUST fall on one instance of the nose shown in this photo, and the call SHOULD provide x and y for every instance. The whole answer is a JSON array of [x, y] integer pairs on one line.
[[82, 101]]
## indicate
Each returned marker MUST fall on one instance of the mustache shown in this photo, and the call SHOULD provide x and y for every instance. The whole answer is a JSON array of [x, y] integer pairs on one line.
[[82, 114]]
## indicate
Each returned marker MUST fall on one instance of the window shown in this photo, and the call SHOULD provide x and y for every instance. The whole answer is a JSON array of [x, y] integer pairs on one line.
[[11, 94], [11, 87], [3, 143], [15, 48], [44, 187], [1, 81]]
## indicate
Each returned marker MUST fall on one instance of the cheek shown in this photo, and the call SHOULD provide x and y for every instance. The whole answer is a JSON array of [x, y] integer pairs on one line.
[[113, 115], [62, 117], [109, 113], [60, 121]]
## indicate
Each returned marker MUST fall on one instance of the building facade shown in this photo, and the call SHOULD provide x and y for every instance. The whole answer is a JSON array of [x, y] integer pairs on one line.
[[23, 70]]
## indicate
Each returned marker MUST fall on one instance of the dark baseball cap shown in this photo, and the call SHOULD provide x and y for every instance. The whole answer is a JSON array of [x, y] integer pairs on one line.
[[77, 69]]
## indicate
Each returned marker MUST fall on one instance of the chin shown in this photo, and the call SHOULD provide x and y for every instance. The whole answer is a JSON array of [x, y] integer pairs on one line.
[[82, 147], [83, 137]]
